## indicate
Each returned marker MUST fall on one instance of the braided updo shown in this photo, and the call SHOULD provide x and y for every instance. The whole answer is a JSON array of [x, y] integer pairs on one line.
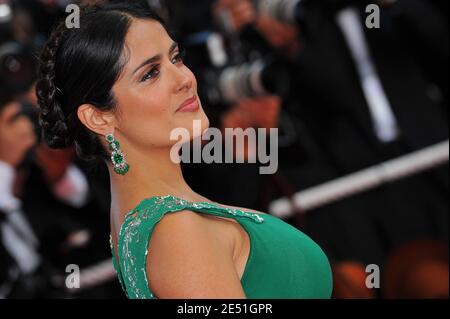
[[80, 66]]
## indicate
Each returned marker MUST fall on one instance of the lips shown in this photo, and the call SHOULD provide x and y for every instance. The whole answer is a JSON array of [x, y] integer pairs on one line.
[[190, 104]]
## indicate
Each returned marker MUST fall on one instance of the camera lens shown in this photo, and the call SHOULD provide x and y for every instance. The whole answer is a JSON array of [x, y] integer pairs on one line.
[[16, 68]]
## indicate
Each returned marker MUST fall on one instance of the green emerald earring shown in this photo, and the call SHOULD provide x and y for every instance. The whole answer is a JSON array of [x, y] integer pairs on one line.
[[117, 157]]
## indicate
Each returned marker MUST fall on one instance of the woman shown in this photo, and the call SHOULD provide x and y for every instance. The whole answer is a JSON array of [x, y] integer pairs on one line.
[[115, 85]]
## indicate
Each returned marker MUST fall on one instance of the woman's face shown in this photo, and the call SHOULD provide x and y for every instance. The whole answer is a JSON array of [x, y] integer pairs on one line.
[[149, 94]]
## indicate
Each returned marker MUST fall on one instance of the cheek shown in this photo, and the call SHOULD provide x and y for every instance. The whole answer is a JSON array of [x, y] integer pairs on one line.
[[146, 119]]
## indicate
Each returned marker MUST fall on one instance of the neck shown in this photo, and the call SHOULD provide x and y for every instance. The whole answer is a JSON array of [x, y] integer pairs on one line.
[[151, 174]]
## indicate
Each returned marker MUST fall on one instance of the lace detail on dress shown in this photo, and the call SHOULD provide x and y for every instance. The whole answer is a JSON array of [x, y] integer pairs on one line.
[[136, 230]]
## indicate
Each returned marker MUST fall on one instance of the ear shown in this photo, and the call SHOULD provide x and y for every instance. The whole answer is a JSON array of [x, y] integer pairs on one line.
[[100, 122]]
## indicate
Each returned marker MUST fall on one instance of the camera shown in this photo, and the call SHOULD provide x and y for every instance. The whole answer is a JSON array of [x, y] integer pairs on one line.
[[17, 68], [251, 79], [17, 74], [248, 68]]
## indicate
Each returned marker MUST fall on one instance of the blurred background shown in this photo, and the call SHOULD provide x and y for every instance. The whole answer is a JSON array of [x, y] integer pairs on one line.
[[346, 97]]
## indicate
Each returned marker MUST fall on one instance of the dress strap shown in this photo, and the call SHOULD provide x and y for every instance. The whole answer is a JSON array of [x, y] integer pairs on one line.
[[173, 203]]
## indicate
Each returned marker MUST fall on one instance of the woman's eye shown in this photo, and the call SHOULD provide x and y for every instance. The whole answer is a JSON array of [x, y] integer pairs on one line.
[[155, 71], [150, 74], [180, 56]]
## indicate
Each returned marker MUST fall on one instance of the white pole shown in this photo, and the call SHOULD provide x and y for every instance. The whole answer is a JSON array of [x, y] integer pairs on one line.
[[362, 181]]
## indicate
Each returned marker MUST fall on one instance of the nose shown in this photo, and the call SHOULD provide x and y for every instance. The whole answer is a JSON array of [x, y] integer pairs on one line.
[[184, 79]]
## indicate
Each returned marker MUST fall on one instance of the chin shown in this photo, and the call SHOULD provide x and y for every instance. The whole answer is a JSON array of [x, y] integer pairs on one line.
[[198, 128], [192, 126]]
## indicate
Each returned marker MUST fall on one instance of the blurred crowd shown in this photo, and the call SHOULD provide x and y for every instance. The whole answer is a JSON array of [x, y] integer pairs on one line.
[[344, 96]]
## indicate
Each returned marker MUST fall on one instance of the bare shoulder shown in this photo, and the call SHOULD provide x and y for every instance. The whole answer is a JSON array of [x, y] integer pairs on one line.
[[187, 259]]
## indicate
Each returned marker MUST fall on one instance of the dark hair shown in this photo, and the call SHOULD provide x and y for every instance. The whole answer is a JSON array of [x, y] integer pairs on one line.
[[81, 65]]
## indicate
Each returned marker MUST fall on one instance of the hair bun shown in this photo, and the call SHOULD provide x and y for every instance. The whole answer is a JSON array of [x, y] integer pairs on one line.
[[54, 124]]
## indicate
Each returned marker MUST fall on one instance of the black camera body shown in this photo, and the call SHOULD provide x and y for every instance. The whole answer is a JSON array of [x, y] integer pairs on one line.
[[249, 68], [17, 68], [17, 75]]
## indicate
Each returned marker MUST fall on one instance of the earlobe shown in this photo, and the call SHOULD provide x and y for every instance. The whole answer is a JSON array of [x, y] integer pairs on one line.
[[95, 120]]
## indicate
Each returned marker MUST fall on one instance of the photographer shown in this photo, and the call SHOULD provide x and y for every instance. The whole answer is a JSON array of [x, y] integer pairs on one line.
[[364, 96], [16, 138], [281, 36], [31, 232]]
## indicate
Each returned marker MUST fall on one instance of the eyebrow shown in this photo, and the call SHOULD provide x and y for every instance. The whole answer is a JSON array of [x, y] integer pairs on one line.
[[156, 57]]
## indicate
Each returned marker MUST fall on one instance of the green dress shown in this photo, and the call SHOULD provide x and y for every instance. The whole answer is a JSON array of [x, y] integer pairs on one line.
[[283, 263]]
